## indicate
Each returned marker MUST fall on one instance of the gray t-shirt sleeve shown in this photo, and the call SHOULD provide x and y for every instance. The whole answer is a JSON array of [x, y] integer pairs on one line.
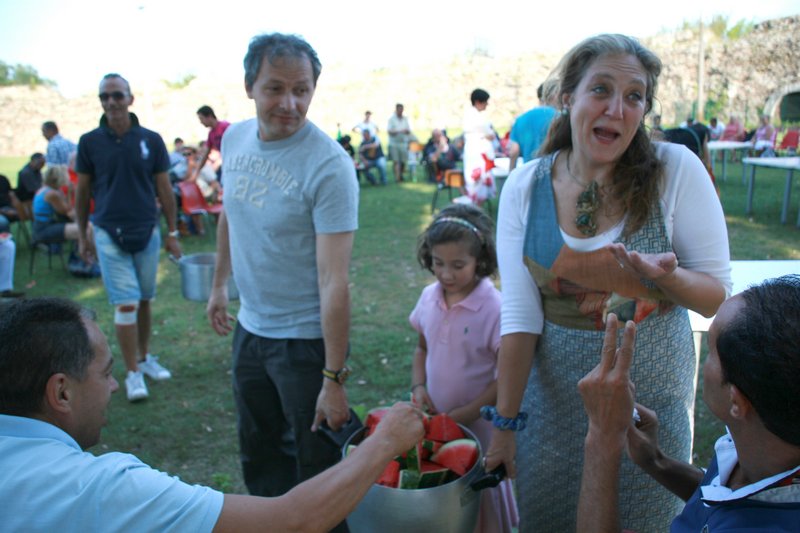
[[336, 199]]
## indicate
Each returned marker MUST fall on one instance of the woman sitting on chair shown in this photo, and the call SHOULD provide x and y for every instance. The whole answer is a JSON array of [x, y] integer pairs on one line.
[[53, 218], [764, 138]]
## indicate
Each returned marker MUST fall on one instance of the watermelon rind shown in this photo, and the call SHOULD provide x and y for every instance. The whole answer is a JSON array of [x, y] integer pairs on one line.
[[414, 458], [458, 455], [408, 479], [432, 475]]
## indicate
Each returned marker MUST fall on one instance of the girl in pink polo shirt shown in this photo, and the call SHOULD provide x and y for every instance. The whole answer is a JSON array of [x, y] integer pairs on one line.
[[458, 321]]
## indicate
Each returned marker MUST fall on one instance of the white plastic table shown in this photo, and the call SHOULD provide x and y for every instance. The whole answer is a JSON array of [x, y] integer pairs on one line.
[[725, 147], [790, 164], [743, 274]]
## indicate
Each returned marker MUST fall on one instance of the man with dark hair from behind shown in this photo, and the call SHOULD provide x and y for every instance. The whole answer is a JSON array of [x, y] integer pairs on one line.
[[55, 386], [530, 129], [751, 382], [60, 151]]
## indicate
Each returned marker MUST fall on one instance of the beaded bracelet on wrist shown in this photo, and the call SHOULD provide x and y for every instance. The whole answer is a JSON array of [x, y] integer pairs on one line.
[[489, 412]]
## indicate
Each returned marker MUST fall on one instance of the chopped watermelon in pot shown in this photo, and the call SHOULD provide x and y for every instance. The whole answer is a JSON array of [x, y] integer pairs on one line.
[[414, 458], [443, 429], [391, 475], [409, 479], [459, 455], [433, 461], [429, 447], [432, 475], [374, 416]]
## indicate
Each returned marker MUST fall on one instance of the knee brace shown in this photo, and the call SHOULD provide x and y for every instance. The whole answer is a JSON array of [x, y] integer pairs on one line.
[[125, 314]]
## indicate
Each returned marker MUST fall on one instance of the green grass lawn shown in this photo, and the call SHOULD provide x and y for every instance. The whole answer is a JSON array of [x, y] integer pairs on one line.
[[10, 167], [187, 426]]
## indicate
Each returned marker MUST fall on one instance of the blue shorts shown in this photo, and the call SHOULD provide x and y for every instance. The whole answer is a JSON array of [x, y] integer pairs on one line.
[[128, 278]]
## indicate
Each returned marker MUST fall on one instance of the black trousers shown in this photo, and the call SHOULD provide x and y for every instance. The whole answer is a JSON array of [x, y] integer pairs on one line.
[[275, 384]]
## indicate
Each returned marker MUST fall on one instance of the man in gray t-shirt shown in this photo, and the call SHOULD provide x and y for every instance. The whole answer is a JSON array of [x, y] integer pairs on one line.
[[291, 210]]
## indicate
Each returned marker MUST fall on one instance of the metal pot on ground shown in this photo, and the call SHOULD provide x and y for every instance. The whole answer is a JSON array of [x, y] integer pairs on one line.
[[449, 508], [197, 275]]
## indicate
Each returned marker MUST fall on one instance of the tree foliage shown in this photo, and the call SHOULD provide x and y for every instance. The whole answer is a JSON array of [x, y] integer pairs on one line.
[[180, 83], [721, 27], [740, 29], [21, 75]]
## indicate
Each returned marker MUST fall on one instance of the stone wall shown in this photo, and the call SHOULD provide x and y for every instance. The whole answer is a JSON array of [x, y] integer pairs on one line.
[[749, 74]]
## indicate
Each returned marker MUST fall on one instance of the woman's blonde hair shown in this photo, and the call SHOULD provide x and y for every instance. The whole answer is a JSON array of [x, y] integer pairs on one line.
[[55, 176]]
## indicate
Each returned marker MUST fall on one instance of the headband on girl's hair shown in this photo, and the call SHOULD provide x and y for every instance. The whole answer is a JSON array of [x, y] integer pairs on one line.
[[466, 223]]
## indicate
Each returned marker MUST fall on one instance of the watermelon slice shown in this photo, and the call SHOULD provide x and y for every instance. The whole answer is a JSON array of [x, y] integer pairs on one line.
[[409, 479], [459, 455], [374, 416], [391, 475], [432, 475], [443, 428], [414, 458], [429, 447]]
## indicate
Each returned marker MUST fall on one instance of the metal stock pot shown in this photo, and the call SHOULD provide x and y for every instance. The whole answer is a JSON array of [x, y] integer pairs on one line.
[[197, 274], [449, 508]]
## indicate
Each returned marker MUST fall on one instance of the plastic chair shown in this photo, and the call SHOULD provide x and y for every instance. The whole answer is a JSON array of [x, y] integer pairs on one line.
[[789, 143], [193, 203], [24, 213], [451, 179], [51, 249]]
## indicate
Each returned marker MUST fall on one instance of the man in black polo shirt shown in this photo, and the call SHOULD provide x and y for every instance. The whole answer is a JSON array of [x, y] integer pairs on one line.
[[123, 167]]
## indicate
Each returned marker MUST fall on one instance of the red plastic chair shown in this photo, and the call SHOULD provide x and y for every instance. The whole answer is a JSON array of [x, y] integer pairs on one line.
[[193, 202], [789, 143]]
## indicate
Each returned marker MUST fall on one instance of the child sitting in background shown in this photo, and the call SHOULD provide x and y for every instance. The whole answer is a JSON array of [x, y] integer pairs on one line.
[[458, 321]]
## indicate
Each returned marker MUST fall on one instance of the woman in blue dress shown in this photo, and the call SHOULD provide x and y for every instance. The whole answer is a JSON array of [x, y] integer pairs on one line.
[[605, 221]]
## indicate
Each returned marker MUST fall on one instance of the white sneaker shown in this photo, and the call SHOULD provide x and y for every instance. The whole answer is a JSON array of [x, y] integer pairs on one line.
[[152, 369], [134, 385]]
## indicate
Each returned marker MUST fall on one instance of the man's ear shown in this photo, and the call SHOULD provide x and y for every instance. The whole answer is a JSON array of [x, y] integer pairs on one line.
[[57, 393], [248, 90], [740, 404], [565, 100]]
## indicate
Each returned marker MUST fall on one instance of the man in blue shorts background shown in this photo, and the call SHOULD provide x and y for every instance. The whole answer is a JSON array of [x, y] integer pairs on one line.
[[123, 167]]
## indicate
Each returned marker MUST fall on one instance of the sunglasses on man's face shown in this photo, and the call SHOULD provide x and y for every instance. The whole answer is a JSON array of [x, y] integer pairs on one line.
[[116, 95]]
